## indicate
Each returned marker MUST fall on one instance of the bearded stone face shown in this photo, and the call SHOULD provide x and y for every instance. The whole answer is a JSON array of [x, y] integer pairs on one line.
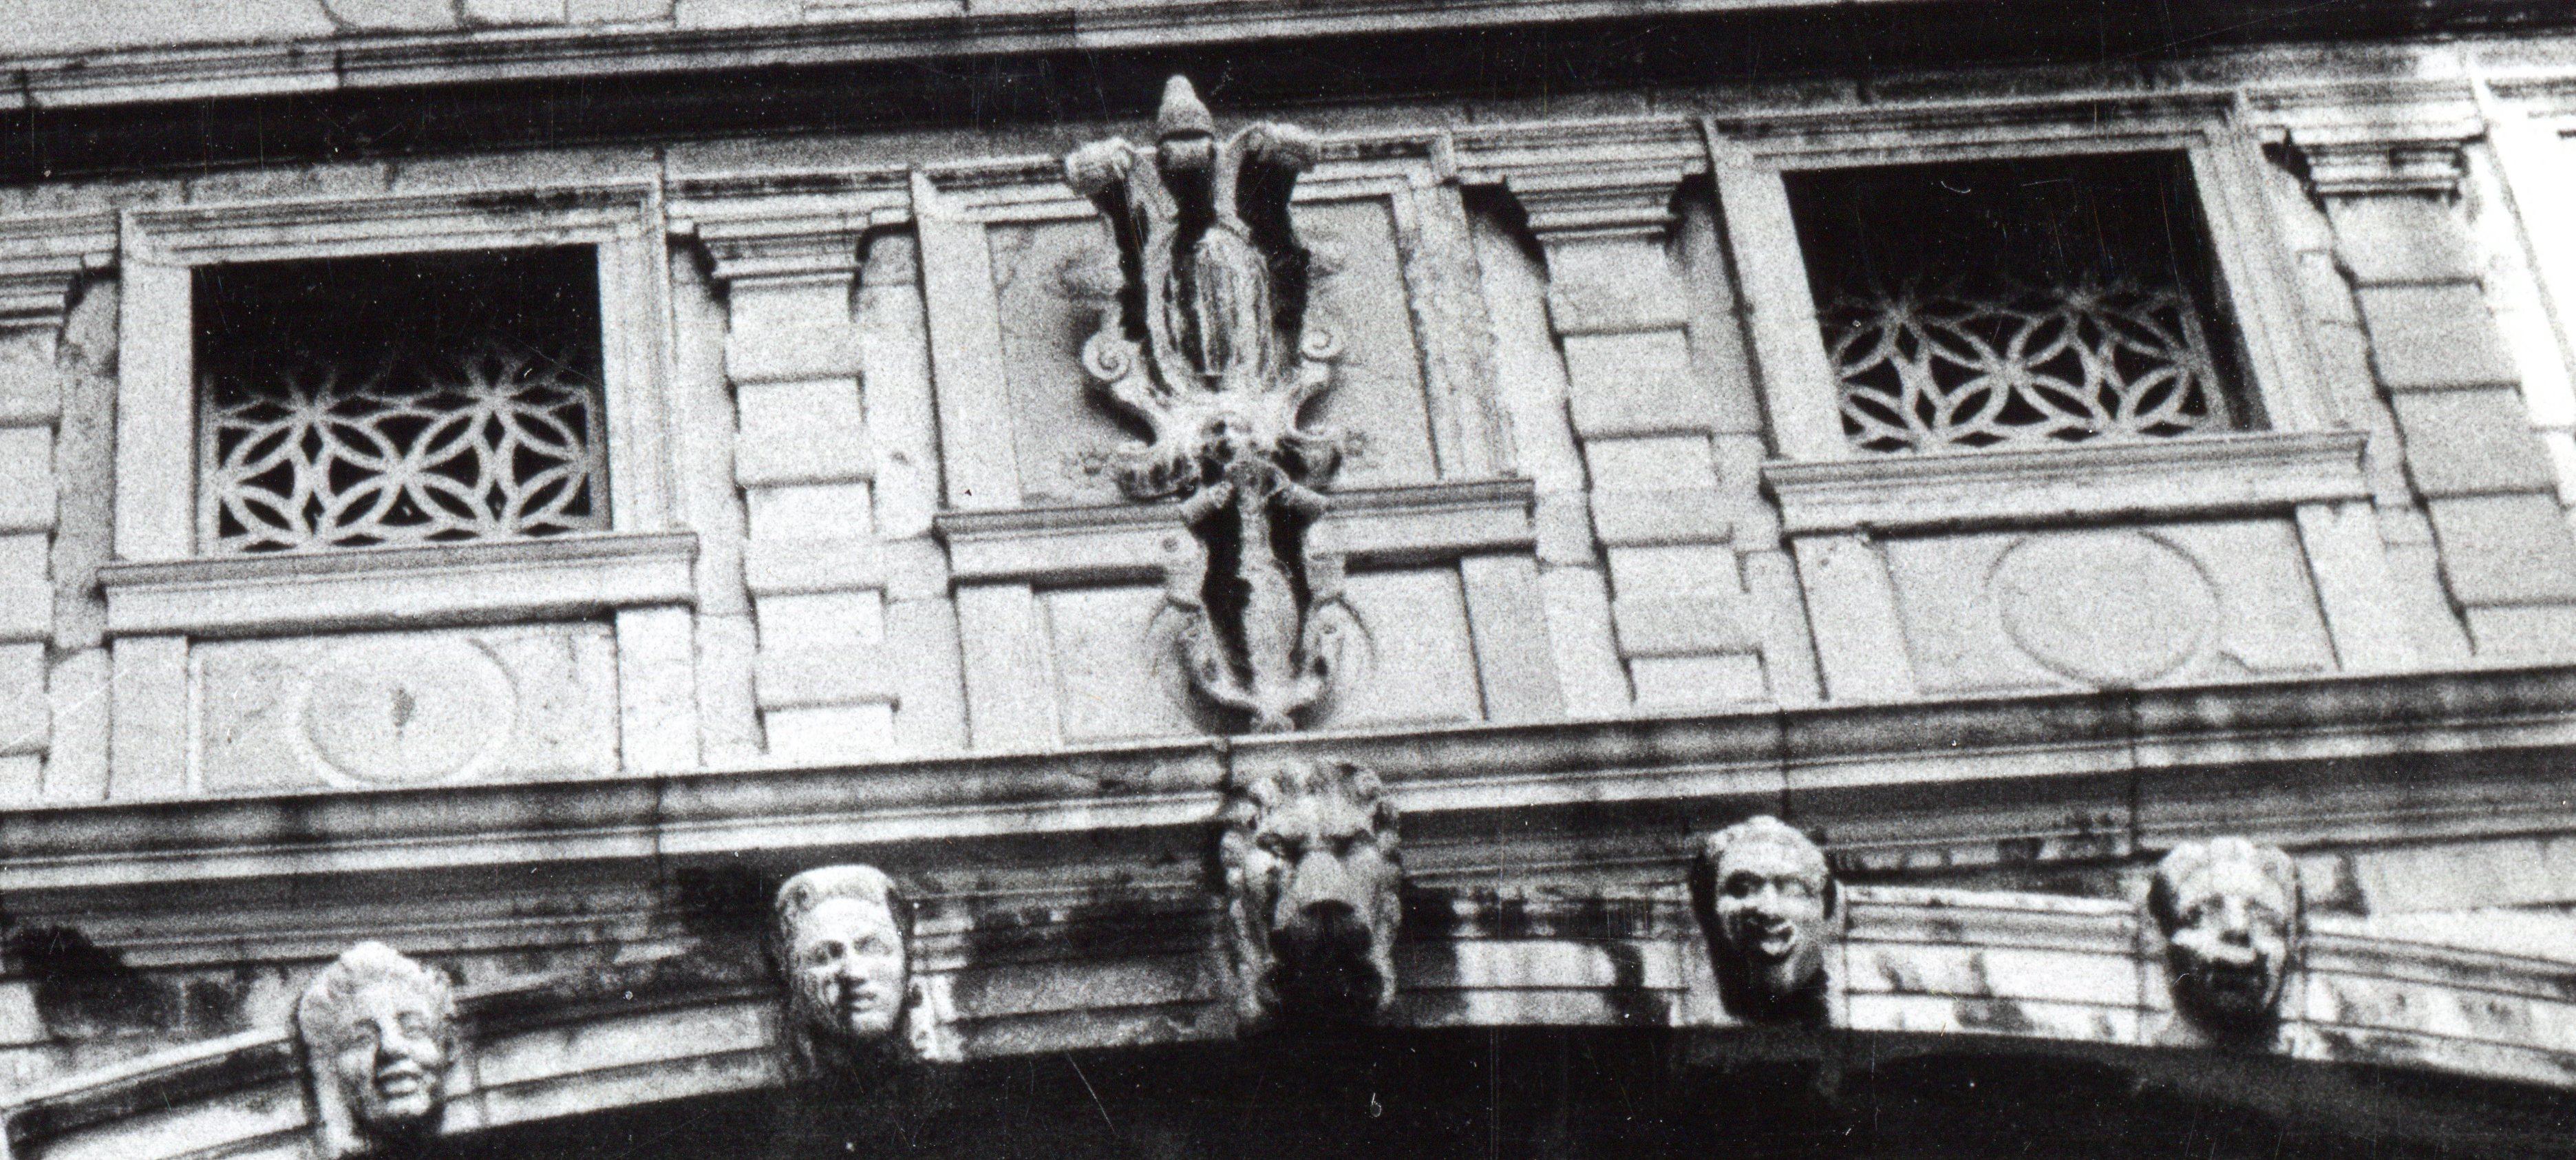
[[1767, 902], [1312, 880], [847, 966], [2228, 910]]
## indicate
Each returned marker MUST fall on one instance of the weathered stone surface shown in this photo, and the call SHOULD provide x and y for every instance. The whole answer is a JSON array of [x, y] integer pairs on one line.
[[26, 479], [2471, 442], [2383, 240], [2505, 549], [2434, 337], [406, 708], [50, 26]]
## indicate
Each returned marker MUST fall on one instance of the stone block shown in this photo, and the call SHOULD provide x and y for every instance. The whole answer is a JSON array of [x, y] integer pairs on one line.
[[22, 781], [616, 11], [1612, 286], [799, 432], [1665, 683], [26, 596], [728, 709], [1563, 524], [20, 1025], [26, 716], [28, 391], [1673, 571], [657, 690], [2433, 338], [1651, 626], [1637, 383], [26, 479], [1421, 666], [929, 674], [813, 511], [830, 733], [854, 673], [514, 11], [1580, 636], [822, 620], [2471, 442], [2402, 239], [76, 769], [1670, 516], [2323, 290], [1650, 463], [2505, 549], [394, 15], [735, 13], [813, 564], [2537, 632]]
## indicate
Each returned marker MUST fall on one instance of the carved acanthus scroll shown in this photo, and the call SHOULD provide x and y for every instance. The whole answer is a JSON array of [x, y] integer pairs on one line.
[[1209, 346]]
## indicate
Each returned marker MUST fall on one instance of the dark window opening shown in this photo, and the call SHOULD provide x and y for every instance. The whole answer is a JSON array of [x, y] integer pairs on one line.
[[418, 398], [2046, 300]]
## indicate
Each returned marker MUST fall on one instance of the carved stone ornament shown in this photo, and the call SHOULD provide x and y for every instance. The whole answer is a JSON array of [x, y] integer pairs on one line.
[[1209, 346], [379, 1033], [1312, 883], [845, 945], [2229, 910], [1769, 905]]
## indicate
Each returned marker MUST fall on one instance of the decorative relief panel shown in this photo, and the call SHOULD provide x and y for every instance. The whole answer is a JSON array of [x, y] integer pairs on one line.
[[1055, 279], [2108, 608], [404, 709]]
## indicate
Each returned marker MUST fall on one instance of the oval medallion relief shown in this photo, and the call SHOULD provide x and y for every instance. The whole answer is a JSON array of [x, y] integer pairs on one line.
[[406, 713], [2113, 609]]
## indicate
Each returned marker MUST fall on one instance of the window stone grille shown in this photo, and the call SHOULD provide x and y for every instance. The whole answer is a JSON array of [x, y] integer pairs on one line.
[[399, 401], [2057, 301]]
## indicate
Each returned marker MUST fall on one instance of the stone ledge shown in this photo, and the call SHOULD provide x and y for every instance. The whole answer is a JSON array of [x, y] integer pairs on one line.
[[413, 587], [1837, 768], [2151, 479], [1137, 541]]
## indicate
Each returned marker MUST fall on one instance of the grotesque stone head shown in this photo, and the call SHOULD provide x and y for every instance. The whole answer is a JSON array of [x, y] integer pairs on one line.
[[379, 1031], [1311, 892], [1768, 904], [2228, 909], [845, 943]]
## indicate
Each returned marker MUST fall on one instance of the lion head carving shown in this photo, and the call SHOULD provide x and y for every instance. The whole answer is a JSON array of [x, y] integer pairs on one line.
[[1308, 851]]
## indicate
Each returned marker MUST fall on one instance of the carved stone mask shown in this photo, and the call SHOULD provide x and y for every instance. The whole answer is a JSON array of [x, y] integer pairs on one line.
[[2228, 909], [1767, 902], [380, 1032], [1312, 883], [844, 934]]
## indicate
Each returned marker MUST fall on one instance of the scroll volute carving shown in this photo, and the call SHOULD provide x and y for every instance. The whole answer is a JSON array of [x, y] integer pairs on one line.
[[2229, 912], [379, 1036], [1209, 347], [1312, 892], [1768, 903]]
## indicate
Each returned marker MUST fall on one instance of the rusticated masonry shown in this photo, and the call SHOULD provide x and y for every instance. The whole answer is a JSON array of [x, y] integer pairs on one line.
[[1209, 347]]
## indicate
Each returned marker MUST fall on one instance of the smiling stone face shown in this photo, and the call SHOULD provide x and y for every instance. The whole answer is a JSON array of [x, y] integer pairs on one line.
[[1767, 902], [2229, 910], [379, 1030]]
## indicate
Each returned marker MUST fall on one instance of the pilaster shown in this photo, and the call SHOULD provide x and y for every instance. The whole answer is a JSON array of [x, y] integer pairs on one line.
[[41, 263], [2478, 472], [816, 562], [1691, 616]]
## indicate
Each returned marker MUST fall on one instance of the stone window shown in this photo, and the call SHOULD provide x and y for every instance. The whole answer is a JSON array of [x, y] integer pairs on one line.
[[2024, 301], [402, 399]]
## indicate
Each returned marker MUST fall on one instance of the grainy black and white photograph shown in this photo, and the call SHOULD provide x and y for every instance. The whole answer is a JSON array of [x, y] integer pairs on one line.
[[1287, 579]]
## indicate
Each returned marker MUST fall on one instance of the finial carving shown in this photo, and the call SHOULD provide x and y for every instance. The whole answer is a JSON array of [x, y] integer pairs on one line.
[[1209, 345], [2229, 911], [1768, 903], [379, 1033], [1312, 892]]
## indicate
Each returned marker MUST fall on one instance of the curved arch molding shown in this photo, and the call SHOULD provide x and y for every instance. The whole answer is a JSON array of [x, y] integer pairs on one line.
[[1927, 970]]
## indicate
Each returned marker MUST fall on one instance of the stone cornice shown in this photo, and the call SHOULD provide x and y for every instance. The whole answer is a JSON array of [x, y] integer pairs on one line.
[[787, 225], [1835, 767], [2164, 477], [40, 258]]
